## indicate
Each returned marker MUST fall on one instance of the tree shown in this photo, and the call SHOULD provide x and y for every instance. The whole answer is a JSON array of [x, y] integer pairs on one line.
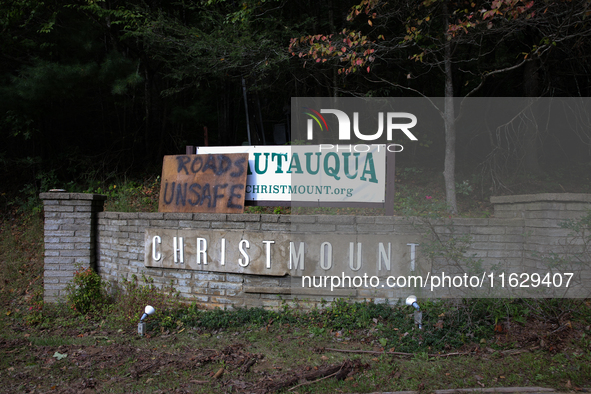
[[208, 45], [468, 43]]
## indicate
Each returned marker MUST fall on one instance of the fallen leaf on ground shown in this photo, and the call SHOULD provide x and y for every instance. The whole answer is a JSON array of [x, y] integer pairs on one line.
[[59, 356], [219, 373]]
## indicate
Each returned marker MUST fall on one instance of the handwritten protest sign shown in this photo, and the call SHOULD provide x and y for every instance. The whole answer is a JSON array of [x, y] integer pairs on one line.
[[211, 183]]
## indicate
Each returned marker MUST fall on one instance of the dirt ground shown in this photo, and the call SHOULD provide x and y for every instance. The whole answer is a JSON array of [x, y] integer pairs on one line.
[[266, 361]]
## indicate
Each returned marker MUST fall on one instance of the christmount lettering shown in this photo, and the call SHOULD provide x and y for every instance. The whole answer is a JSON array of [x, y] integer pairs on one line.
[[212, 255]]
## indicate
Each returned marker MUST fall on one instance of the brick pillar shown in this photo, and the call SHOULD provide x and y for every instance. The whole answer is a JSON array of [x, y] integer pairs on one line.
[[70, 237]]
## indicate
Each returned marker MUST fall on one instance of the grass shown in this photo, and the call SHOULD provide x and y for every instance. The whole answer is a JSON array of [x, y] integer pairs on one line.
[[186, 361], [186, 345], [58, 340], [21, 268]]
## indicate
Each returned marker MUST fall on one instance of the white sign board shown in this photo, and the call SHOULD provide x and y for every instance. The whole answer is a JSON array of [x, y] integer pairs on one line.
[[310, 173]]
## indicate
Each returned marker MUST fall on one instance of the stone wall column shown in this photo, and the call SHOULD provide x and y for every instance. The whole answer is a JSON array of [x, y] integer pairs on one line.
[[70, 237]]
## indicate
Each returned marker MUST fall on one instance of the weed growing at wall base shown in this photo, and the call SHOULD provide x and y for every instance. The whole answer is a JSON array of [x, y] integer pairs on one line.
[[131, 297]]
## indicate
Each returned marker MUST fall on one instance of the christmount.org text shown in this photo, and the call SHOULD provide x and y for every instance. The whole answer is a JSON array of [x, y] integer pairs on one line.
[[298, 189]]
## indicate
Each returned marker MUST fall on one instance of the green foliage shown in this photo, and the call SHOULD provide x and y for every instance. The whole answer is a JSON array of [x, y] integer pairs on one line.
[[43, 79], [449, 249], [415, 204], [86, 293], [447, 324], [464, 188], [122, 195], [298, 142], [572, 255], [129, 195], [132, 297], [345, 315], [212, 39], [579, 227], [408, 172], [255, 209], [34, 314], [121, 72], [222, 319], [18, 124], [28, 201]]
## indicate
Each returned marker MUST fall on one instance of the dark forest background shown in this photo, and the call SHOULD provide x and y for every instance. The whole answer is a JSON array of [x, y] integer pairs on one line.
[[91, 90]]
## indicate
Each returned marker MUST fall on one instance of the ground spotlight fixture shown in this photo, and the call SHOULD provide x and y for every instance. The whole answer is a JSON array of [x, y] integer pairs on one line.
[[411, 300], [148, 311], [141, 327]]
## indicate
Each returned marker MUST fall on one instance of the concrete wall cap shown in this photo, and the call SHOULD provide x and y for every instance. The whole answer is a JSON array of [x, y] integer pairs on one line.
[[553, 197], [71, 196]]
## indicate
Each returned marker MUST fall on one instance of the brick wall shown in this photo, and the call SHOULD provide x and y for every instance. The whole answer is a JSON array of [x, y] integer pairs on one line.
[[121, 251], [70, 237], [541, 216], [522, 226]]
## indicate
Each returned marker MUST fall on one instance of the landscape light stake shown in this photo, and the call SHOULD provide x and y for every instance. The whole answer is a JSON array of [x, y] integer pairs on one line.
[[141, 327], [412, 301]]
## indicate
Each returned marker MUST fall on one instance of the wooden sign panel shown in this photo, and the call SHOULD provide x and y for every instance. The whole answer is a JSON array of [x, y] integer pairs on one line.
[[211, 183]]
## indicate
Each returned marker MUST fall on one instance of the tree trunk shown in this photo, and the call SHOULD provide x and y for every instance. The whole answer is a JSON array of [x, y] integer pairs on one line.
[[147, 115], [449, 120], [154, 136], [531, 134], [332, 28], [224, 119]]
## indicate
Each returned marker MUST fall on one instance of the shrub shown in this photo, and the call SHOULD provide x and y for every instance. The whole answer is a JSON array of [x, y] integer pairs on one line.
[[86, 293]]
